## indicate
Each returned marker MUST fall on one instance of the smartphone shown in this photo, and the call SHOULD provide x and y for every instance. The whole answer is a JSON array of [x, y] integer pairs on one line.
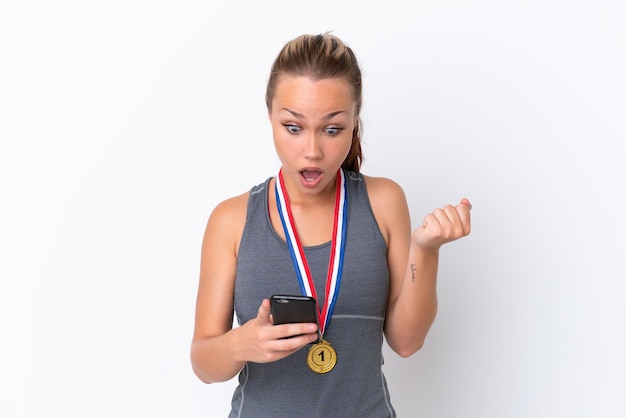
[[290, 309]]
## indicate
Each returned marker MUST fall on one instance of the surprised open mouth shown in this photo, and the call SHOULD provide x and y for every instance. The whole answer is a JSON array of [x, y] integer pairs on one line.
[[310, 175]]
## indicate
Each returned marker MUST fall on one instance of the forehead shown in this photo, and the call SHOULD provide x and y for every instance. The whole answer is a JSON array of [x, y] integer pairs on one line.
[[331, 93]]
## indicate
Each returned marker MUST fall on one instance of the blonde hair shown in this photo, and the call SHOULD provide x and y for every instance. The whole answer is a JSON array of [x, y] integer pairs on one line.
[[320, 57]]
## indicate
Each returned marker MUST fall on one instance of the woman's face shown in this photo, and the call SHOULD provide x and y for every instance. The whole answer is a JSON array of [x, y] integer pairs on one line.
[[312, 122]]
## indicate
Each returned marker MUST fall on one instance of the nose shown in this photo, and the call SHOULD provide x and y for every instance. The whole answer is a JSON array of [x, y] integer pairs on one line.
[[313, 147]]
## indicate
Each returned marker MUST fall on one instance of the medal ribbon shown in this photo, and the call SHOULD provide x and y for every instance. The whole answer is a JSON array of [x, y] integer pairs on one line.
[[338, 244]]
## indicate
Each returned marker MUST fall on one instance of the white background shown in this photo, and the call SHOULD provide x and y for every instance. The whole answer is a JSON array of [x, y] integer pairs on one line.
[[123, 123]]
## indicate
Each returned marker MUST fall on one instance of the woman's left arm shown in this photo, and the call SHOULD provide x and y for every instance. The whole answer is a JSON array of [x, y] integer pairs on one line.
[[413, 261]]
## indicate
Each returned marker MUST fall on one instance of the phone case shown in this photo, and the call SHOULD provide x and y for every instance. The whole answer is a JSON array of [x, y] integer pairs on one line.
[[287, 309]]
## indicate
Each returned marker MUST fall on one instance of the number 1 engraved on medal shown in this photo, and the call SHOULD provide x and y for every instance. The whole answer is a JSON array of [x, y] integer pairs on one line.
[[327, 357]]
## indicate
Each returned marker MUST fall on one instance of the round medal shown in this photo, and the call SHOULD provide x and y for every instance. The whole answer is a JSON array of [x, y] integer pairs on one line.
[[322, 357]]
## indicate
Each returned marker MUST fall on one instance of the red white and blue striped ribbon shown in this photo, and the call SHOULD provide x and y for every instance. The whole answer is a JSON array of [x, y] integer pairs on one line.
[[338, 244]]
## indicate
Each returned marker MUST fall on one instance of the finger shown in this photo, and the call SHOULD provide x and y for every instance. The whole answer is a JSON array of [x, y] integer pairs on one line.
[[430, 228], [463, 210], [453, 214], [430, 221], [466, 202], [263, 315], [289, 345], [441, 216], [293, 330], [459, 216]]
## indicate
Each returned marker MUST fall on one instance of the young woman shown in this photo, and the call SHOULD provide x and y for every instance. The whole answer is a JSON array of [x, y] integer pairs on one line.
[[321, 228]]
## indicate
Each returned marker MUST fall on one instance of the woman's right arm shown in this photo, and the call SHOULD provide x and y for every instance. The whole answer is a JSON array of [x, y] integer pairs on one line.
[[218, 352]]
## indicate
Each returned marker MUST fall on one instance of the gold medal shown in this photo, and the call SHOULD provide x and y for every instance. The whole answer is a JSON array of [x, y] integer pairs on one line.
[[322, 357]]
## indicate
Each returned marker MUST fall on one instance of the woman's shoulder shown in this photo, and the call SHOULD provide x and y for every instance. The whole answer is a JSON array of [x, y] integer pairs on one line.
[[383, 189], [389, 205], [232, 206], [233, 210], [228, 217]]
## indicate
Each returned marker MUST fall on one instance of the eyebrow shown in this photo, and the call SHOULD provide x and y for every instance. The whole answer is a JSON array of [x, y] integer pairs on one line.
[[326, 117]]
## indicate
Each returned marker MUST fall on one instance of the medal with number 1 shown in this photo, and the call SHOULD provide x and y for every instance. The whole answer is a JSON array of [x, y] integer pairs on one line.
[[322, 357]]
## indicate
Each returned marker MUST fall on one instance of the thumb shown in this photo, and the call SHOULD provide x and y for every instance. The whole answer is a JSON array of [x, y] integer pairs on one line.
[[263, 315], [465, 202]]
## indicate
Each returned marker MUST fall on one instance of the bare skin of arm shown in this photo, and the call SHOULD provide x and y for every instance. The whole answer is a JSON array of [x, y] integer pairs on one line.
[[218, 352], [413, 260]]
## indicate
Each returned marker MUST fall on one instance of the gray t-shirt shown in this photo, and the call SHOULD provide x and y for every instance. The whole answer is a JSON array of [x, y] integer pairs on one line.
[[356, 387]]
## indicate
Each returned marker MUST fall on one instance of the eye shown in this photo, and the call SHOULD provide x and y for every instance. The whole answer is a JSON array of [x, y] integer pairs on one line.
[[333, 131], [292, 129]]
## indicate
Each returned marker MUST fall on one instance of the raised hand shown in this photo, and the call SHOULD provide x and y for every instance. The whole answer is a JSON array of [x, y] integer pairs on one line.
[[444, 225]]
